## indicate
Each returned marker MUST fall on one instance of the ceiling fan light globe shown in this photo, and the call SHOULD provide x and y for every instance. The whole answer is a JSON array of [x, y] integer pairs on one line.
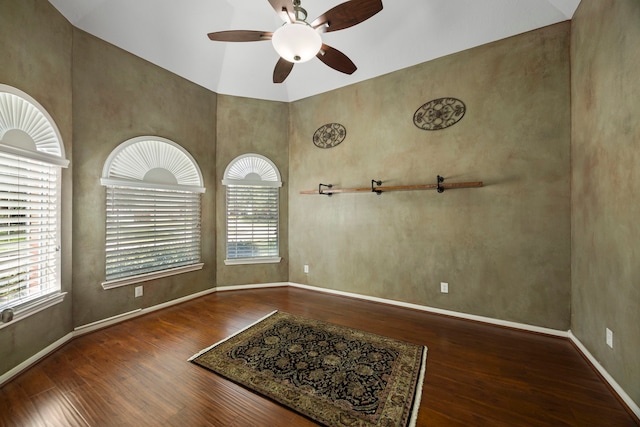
[[296, 42]]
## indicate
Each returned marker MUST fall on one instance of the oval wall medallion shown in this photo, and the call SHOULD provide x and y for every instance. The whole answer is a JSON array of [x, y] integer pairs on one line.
[[329, 135], [439, 114]]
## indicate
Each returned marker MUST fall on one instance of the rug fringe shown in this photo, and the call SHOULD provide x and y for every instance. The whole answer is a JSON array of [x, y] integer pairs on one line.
[[230, 336], [418, 396]]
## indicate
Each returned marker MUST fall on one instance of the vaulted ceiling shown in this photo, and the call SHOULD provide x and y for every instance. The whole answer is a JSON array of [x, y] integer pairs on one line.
[[173, 35]]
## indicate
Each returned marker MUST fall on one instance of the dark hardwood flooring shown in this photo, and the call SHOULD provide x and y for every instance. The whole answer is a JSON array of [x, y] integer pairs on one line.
[[136, 373]]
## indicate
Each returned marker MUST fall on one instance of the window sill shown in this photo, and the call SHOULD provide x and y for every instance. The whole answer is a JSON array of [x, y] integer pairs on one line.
[[125, 281], [22, 312], [245, 261]]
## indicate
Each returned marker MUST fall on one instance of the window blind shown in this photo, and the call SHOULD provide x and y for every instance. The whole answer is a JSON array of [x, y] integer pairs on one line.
[[29, 229], [252, 221], [150, 230]]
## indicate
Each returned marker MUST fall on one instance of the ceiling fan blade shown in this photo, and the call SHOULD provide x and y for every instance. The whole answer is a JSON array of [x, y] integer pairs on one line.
[[284, 9], [336, 59], [240, 36], [347, 14], [282, 70]]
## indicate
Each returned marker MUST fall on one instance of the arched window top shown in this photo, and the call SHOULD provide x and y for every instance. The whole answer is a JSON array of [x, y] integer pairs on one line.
[[253, 210], [152, 161], [252, 169], [31, 158], [27, 129]]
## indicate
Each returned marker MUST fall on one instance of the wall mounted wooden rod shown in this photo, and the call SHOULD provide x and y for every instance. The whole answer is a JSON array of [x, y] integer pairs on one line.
[[440, 186]]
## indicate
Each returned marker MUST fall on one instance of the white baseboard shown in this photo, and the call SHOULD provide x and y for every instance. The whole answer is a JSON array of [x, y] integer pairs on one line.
[[7, 376], [633, 406], [254, 286], [89, 327], [178, 301], [80, 330], [490, 320], [568, 334], [103, 323]]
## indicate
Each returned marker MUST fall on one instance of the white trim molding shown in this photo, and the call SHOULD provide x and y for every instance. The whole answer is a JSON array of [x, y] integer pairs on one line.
[[489, 320], [633, 406], [125, 281], [256, 260], [81, 330], [254, 286], [90, 327], [252, 169], [133, 159], [10, 374], [34, 307], [35, 155], [103, 323], [116, 182], [19, 111]]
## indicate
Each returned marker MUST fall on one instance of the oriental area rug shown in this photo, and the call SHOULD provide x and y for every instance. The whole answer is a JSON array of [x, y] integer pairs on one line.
[[334, 375]]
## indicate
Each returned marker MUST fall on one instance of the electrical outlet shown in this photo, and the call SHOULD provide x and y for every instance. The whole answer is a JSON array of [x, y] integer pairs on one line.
[[138, 291], [444, 287], [306, 268], [609, 337]]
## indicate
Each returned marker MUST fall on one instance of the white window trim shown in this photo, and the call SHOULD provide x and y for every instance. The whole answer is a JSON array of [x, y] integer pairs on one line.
[[275, 182], [27, 309], [229, 171], [245, 261], [192, 182], [251, 182], [42, 157], [126, 281], [60, 155], [105, 182]]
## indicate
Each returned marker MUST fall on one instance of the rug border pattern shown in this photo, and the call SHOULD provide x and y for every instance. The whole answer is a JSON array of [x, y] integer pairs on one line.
[[297, 400]]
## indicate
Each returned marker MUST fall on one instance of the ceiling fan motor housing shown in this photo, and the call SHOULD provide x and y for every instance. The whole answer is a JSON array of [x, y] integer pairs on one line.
[[296, 42]]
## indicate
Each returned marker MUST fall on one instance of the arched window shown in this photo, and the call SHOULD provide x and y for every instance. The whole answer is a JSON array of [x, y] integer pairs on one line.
[[252, 198], [31, 161], [152, 211]]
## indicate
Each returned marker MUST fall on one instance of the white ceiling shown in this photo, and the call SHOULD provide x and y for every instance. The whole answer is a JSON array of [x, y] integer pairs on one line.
[[173, 35]]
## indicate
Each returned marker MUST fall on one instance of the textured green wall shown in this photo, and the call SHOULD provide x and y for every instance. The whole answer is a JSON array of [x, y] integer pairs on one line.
[[605, 200], [35, 47], [118, 96], [261, 127], [503, 248]]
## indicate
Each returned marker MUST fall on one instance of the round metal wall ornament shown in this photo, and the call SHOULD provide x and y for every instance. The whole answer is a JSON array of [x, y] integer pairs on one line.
[[439, 114], [329, 135]]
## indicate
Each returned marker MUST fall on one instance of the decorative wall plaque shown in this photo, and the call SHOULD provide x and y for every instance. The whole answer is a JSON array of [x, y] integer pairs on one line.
[[329, 135], [439, 114]]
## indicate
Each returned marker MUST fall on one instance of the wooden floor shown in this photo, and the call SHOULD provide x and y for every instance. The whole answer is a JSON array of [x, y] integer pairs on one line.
[[136, 373]]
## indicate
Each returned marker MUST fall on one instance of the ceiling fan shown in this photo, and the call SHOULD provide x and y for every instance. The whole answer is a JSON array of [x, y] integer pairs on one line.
[[298, 41]]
